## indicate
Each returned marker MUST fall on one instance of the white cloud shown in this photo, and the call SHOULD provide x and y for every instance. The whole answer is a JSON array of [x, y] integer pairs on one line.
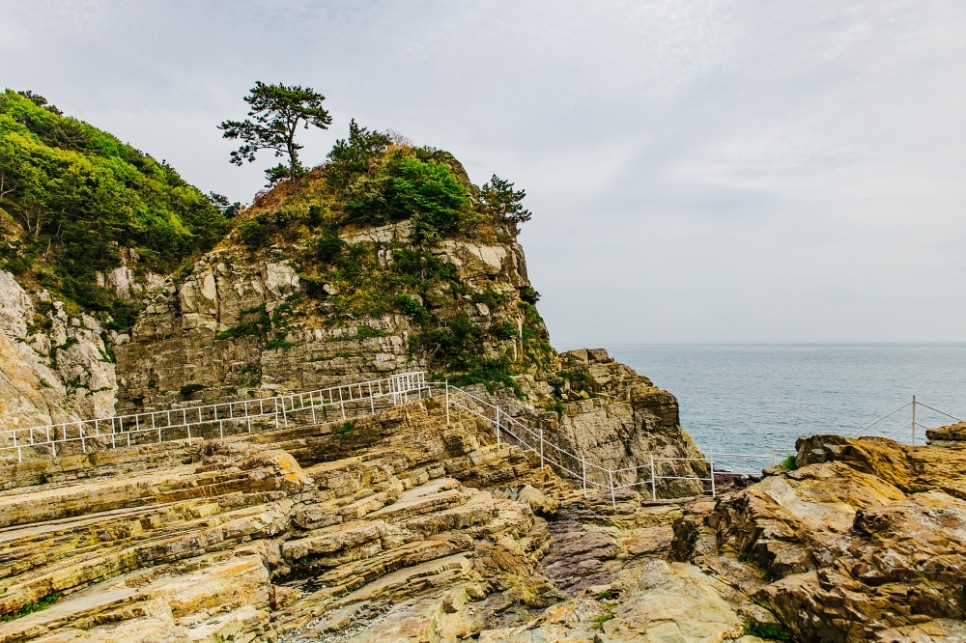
[[699, 171]]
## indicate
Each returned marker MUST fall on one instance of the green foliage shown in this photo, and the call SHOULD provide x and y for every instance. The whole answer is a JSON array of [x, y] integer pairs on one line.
[[407, 187], [190, 389], [768, 631], [410, 307], [505, 331], [314, 218], [81, 195], [598, 620], [454, 342], [30, 608], [328, 247], [499, 202], [264, 227], [789, 463], [529, 295], [355, 156], [276, 113], [277, 343], [367, 332], [257, 324], [491, 298], [253, 233], [344, 430]]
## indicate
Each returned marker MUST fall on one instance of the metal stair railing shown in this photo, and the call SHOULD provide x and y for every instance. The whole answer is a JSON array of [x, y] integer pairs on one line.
[[511, 429], [231, 417]]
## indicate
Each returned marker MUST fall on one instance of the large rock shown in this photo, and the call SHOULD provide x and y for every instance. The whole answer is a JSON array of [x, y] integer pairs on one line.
[[55, 367], [867, 537]]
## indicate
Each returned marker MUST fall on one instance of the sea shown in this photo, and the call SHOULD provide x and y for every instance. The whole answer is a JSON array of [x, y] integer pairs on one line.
[[747, 404]]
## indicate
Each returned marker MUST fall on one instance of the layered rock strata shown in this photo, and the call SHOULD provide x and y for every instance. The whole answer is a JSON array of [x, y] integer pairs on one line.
[[866, 540]]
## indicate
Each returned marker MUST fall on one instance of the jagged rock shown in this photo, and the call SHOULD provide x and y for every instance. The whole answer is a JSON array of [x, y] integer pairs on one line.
[[867, 537], [952, 435]]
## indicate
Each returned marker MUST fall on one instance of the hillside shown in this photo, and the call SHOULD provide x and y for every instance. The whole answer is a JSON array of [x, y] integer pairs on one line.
[[88, 225], [76, 204]]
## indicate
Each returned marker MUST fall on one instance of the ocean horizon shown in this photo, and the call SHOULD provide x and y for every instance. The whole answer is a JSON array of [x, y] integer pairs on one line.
[[744, 398]]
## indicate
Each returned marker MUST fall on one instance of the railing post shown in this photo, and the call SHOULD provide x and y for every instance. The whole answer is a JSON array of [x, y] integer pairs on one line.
[[541, 447], [221, 428], [913, 420], [613, 495], [372, 401], [19, 453], [285, 415], [80, 431], [583, 474], [773, 463], [447, 402], [498, 428], [189, 434], [341, 403], [711, 465], [653, 479]]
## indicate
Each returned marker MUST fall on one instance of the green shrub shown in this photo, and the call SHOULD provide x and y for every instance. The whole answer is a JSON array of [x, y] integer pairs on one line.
[[190, 389], [769, 631], [789, 463], [328, 247], [529, 295], [253, 234], [491, 298], [30, 608], [506, 331], [367, 332]]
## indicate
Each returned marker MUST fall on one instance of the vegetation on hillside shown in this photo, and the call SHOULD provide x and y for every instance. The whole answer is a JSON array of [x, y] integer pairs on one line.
[[73, 197], [373, 179]]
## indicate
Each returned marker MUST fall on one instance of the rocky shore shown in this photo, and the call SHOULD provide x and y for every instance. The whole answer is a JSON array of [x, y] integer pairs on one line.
[[405, 528]]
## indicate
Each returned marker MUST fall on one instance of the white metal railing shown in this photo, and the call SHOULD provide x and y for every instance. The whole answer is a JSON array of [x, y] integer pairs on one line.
[[644, 478], [223, 418], [915, 406]]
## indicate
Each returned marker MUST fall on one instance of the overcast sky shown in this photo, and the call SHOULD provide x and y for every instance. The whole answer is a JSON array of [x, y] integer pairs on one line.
[[742, 171]]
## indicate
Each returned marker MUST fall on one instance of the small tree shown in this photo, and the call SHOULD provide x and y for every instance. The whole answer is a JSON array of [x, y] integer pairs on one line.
[[277, 112], [502, 203]]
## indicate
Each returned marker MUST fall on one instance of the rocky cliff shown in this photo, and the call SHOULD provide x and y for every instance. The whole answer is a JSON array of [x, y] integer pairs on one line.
[[404, 526], [302, 295]]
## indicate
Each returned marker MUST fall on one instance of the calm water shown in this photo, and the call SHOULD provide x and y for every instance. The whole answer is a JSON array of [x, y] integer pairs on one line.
[[748, 398]]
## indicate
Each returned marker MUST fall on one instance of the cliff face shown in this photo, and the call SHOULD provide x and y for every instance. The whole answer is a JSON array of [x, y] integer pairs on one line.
[[249, 322], [56, 367], [240, 325]]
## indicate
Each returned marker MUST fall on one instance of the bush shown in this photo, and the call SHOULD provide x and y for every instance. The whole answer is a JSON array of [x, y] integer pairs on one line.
[[328, 247], [529, 295], [190, 389], [505, 331], [253, 234]]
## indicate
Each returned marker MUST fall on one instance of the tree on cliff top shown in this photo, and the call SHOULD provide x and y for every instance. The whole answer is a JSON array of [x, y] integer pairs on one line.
[[277, 112], [502, 203]]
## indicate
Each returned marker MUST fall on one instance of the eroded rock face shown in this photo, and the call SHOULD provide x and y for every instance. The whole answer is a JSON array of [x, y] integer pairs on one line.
[[865, 541], [54, 367], [618, 420]]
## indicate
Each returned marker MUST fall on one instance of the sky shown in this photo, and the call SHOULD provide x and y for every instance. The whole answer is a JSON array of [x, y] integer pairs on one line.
[[698, 171]]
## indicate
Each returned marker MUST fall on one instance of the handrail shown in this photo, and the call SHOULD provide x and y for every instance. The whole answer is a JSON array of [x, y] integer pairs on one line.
[[506, 425], [234, 416]]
